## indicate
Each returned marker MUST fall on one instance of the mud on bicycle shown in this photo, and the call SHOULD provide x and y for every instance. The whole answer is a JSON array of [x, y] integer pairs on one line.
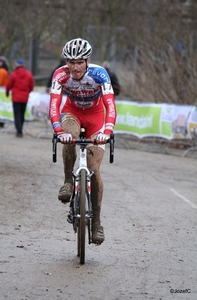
[[81, 213]]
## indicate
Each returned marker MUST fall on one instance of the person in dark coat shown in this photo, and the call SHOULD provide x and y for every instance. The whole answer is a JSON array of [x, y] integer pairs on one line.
[[113, 77], [21, 83], [48, 85]]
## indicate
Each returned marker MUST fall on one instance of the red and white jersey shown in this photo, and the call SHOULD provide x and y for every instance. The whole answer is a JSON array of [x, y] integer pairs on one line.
[[91, 94]]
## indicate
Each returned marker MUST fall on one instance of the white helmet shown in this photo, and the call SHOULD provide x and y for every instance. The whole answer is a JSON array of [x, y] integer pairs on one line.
[[77, 49]]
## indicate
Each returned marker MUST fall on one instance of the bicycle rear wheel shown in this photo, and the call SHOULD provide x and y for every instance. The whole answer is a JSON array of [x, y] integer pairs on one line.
[[82, 219]]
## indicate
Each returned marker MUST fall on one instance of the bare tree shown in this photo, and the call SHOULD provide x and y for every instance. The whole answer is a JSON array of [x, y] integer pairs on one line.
[[152, 41], [165, 68]]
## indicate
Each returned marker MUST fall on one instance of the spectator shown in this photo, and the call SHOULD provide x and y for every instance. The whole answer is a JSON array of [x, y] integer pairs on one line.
[[21, 83], [113, 77], [48, 86], [4, 73]]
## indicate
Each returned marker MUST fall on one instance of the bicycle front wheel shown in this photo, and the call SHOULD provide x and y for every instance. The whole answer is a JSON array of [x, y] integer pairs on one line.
[[82, 219]]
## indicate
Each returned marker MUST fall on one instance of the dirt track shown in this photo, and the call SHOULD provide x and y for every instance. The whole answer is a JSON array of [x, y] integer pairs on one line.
[[149, 214]]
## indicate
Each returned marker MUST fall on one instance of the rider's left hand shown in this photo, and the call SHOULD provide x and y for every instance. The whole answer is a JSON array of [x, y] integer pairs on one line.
[[102, 138], [65, 138]]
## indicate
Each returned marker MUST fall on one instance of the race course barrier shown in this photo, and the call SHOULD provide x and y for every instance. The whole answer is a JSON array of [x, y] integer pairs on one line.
[[168, 121]]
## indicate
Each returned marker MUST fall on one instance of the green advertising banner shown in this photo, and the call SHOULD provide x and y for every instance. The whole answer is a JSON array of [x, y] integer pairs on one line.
[[168, 121], [6, 110], [5, 106], [141, 120]]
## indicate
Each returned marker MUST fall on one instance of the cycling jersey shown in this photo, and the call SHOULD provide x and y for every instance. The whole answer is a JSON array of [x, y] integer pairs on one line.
[[92, 95]]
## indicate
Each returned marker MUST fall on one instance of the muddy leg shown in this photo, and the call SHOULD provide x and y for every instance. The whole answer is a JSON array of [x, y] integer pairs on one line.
[[94, 161], [69, 156]]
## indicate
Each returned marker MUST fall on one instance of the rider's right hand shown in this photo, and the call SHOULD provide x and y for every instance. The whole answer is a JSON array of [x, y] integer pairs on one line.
[[65, 138]]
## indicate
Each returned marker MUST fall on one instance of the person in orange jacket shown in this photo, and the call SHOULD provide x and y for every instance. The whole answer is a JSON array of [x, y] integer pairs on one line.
[[4, 73]]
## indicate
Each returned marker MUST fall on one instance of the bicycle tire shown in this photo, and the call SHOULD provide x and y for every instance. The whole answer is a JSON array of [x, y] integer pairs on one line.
[[82, 220]]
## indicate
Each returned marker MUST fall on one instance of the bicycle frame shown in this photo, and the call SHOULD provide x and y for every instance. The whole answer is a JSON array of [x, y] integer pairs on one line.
[[77, 176]]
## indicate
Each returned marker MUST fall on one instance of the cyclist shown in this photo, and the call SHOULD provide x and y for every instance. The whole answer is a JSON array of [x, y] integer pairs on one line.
[[89, 104]]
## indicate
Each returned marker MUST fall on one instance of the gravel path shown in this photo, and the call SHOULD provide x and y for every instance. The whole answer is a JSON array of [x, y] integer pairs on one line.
[[149, 214]]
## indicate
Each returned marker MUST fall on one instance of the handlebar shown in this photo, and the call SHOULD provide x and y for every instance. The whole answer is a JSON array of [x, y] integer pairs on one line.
[[83, 141]]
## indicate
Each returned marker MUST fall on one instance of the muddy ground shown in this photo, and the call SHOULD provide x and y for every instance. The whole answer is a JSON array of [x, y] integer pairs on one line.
[[149, 214]]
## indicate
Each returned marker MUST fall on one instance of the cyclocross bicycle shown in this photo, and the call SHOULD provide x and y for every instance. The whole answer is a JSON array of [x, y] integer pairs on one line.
[[81, 214]]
